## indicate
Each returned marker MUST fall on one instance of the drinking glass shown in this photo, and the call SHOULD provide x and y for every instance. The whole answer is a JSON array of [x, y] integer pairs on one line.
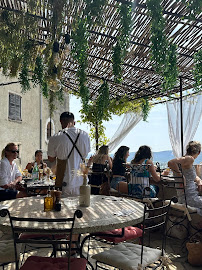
[[40, 174], [25, 173]]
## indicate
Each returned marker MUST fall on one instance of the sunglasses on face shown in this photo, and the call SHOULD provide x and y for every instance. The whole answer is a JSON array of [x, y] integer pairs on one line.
[[14, 151]]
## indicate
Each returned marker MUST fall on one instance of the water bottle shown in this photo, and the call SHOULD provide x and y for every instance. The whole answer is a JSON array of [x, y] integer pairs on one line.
[[35, 172]]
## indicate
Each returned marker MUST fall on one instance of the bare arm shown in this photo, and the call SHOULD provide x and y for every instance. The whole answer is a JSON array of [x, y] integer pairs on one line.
[[152, 170], [110, 162], [186, 163], [90, 161], [51, 159], [29, 166]]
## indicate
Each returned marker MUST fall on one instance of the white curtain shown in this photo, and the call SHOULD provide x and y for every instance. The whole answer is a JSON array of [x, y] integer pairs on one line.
[[192, 111], [128, 122]]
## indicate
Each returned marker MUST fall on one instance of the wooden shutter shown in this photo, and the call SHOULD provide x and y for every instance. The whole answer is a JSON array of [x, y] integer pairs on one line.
[[14, 107]]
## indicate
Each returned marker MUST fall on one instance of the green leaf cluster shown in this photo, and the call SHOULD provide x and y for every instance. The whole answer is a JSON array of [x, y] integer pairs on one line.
[[94, 10], [164, 54], [145, 108], [193, 6], [198, 70], [119, 50], [79, 52]]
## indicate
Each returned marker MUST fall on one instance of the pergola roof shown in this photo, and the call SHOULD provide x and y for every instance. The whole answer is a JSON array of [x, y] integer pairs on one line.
[[139, 78]]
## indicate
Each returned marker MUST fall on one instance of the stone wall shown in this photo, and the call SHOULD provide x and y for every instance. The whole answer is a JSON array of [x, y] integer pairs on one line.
[[26, 133]]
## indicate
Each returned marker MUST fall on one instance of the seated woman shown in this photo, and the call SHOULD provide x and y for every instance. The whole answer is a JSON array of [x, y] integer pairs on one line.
[[10, 176], [39, 160], [118, 167], [140, 174], [101, 161], [193, 182]]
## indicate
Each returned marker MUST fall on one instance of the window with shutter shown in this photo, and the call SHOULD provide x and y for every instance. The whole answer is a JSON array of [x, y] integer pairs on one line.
[[14, 107]]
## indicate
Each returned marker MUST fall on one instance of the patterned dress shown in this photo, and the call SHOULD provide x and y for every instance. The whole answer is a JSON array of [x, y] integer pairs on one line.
[[193, 199]]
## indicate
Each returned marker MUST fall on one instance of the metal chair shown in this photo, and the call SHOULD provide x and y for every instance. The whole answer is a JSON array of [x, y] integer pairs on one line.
[[7, 253], [180, 209], [132, 256], [36, 225]]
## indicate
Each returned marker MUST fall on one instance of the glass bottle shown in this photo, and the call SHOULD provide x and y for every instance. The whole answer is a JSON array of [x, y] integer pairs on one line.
[[48, 201], [85, 190], [57, 204], [35, 172]]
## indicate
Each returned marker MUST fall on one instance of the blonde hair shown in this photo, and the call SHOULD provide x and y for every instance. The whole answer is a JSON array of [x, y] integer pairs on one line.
[[103, 151], [193, 147], [3, 153]]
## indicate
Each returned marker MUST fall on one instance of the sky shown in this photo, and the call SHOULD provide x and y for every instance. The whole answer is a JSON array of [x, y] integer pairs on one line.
[[153, 133]]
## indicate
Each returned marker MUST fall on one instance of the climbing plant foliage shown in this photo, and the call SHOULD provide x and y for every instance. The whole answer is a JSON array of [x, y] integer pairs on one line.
[[163, 52]]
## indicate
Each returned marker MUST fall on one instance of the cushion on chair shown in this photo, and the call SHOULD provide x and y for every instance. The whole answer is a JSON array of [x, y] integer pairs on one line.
[[112, 190], [7, 251], [127, 256], [181, 207], [130, 233], [44, 263]]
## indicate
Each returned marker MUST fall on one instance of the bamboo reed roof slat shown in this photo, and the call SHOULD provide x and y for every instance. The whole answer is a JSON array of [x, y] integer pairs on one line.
[[137, 68]]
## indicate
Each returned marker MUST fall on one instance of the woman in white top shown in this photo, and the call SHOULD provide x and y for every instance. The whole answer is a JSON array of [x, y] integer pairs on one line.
[[10, 176], [193, 182]]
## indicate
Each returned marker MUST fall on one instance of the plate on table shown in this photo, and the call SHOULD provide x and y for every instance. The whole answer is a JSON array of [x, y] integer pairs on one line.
[[26, 179]]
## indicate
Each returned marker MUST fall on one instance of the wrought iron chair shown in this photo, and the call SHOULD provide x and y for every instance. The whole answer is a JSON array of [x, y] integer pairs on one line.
[[132, 256], [7, 250], [64, 226], [181, 209]]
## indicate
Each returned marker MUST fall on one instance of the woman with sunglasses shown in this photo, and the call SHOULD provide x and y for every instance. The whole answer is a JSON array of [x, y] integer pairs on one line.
[[10, 176]]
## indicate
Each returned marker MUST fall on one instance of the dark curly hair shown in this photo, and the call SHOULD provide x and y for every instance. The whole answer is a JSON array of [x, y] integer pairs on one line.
[[121, 153], [143, 152]]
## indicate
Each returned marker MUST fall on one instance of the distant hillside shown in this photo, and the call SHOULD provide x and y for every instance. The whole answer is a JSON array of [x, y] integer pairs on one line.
[[162, 157]]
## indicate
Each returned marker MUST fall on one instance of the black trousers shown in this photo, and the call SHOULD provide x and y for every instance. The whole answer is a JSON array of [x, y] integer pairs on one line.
[[7, 194]]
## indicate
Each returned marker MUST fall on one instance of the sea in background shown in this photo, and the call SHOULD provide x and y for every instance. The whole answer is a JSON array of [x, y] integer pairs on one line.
[[162, 157]]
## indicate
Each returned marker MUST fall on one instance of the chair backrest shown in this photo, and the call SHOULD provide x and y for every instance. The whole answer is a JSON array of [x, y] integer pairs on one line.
[[176, 183], [155, 218], [139, 186], [44, 227]]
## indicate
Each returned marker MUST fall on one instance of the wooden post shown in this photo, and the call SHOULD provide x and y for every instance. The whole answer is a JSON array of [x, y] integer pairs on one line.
[[96, 135], [181, 117]]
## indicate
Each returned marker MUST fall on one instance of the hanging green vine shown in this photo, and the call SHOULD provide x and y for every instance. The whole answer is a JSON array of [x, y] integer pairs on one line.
[[38, 76], [119, 50], [193, 6], [102, 102], [198, 70], [94, 10], [145, 108], [163, 53], [79, 52], [24, 77]]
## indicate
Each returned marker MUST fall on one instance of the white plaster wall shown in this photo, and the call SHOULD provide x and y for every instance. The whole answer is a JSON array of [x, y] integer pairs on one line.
[[26, 133]]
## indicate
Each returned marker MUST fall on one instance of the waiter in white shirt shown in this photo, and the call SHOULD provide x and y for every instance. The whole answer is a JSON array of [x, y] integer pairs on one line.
[[70, 146], [10, 176]]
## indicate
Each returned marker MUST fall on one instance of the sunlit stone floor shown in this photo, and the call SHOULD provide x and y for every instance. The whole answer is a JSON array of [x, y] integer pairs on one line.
[[174, 248]]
